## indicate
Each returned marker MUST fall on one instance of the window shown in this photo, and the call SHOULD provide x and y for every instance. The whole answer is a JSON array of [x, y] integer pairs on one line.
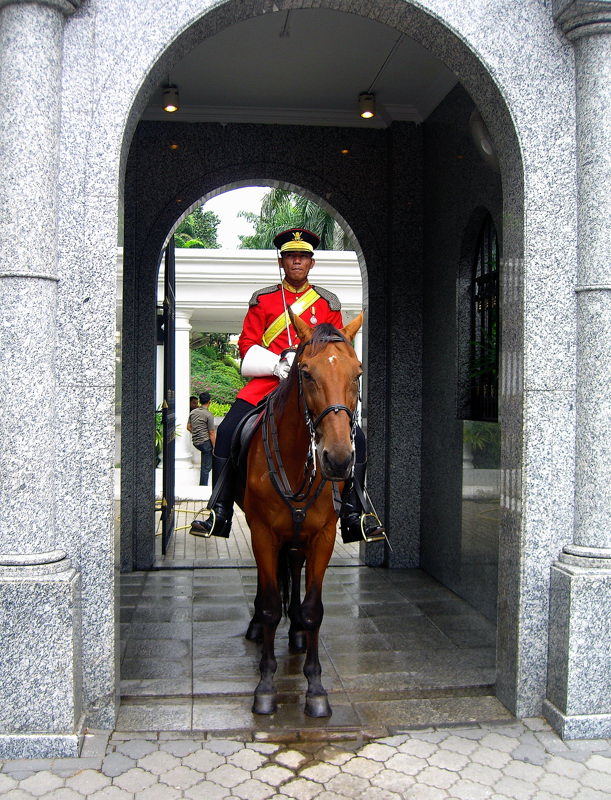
[[484, 316]]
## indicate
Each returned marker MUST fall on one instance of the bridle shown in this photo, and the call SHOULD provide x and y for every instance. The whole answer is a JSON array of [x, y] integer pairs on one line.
[[275, 466]]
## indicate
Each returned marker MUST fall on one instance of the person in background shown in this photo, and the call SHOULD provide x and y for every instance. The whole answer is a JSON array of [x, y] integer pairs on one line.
[[203, 435]]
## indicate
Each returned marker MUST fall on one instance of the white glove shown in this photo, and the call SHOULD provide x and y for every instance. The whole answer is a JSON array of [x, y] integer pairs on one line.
[[259, 362], [283, 367]]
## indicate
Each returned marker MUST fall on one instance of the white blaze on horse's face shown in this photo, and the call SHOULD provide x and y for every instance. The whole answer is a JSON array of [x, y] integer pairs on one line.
[[331, 387]]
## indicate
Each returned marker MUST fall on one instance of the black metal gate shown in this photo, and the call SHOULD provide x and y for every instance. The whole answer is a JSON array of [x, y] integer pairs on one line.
[[169, 397]]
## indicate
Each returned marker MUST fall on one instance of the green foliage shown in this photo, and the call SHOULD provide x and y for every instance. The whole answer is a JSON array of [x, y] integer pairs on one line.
[[198, 229], [219, 409], [219, 342], [282, 209], [485, 441], [214, 373]]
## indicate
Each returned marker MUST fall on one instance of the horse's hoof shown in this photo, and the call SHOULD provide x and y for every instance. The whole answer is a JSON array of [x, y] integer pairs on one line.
[[254, 632], [317, 705], [264, 704], [297, 642]]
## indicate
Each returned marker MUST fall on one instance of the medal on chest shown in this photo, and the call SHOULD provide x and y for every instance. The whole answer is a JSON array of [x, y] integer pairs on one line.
[[313, 319]]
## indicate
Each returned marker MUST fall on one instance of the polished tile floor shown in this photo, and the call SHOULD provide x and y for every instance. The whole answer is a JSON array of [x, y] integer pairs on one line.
[[398, 650]]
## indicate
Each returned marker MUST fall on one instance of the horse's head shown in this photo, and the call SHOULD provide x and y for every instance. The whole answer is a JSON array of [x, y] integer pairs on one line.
[[329, 373]]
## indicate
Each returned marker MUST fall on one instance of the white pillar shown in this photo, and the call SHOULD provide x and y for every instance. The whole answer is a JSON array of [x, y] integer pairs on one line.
[[183, 388]]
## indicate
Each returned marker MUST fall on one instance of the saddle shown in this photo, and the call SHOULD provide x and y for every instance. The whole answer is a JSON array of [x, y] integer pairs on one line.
[[242, 436]]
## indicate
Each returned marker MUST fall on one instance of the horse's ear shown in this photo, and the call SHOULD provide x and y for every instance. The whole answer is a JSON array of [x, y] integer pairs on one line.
[[352, 328], [302, 328]]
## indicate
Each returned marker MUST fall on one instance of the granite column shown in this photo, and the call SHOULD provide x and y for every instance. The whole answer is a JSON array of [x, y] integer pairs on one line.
[[579, 674], [39, 662]]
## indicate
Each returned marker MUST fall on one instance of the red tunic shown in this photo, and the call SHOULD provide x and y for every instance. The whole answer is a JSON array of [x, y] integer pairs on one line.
[[264, 308]]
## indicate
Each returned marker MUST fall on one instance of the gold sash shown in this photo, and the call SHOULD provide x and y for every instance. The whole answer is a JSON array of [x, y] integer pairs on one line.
[[298, 307]]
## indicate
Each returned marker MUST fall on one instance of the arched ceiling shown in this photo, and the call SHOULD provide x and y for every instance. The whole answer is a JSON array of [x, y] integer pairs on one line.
[[305, 67]]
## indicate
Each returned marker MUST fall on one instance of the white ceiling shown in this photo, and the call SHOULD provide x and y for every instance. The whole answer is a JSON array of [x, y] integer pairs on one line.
[[305, 66]]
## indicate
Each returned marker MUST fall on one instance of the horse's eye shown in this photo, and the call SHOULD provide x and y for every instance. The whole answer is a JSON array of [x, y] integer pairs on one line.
[[305, 374]]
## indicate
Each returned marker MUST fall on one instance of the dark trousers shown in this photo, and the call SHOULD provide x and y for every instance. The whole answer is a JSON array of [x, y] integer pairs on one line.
[[205, 449]]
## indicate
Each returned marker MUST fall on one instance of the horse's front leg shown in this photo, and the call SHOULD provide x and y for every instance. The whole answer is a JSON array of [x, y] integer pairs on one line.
[[268, 613], [254, 632], [316, 701]]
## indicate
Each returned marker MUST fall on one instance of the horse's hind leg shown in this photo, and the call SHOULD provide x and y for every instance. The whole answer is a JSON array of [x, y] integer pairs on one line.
[[254, 632], [297, 633]]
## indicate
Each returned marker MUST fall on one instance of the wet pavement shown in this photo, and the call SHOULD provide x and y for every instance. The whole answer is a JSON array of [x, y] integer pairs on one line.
[[409, 668], [507, 761]]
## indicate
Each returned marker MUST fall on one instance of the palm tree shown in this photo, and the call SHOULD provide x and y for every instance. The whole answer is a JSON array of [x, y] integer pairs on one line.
[[282, 209]]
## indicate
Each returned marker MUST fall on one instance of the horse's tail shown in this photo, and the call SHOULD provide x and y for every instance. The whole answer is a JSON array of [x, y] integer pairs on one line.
[[284, 578]]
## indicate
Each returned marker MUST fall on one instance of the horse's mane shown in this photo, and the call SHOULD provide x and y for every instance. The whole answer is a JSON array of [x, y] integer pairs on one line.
[[321, 336]]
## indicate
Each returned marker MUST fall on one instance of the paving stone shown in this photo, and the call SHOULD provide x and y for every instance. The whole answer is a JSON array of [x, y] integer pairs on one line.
[[530, 754], [180, 747], [324, 795], [491, 758], [377, 752], [599, 763], [263, 747], [88, 781], [320, 772], [116, 763], [6, 783], [408, 764], [41, 782], [597, 780], [253, 790], [496, 741], [420, 792], [363, 767], [333, 755], [136, 748], [18, 794], [560, 784], [63, 793], [203, 760], [526, 772], [246, 759], [159, 762], [458, 744], [181, 777], [393, 781], [446, 759], [301, 789], [415, 747], [516, 788], [434, 776], [229, 776], [224, 747], [563, 766], [206, 790], [350, 785], [469, 790], [375, 793], [292, 759], [273, 774], [161, 791], [134, 780], [111, 793], [480, 773]]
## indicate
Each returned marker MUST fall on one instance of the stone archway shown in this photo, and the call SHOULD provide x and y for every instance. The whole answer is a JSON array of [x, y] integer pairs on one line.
[[105, 79]]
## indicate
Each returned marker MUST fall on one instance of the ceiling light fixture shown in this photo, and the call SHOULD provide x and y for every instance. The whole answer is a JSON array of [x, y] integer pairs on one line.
[[171, 100], [367, 101], [367, 105]]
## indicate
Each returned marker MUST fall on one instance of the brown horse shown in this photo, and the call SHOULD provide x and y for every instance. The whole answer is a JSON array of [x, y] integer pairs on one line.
[[298, 460]]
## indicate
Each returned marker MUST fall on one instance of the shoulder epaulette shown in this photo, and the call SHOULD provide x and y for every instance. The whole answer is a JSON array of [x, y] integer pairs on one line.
[[332, 299], [267, 290]]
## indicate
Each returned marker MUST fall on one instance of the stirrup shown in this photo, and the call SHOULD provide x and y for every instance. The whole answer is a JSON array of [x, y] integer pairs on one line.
[[200, 528], [374, 537]]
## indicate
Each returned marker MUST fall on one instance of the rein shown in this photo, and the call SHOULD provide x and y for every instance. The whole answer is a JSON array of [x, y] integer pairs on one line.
[[276, 471]]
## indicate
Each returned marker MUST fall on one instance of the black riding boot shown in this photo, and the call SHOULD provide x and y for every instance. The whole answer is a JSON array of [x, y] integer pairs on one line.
[[220, 503], [357, 517]]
